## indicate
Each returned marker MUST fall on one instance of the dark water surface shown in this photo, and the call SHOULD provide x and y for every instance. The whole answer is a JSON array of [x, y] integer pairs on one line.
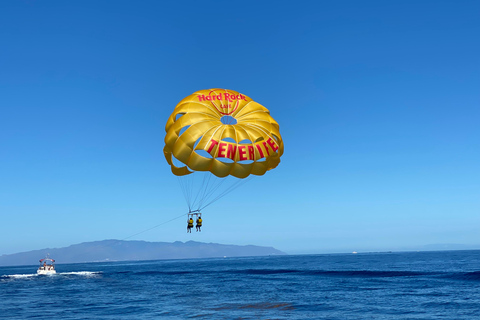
[[413, 285]]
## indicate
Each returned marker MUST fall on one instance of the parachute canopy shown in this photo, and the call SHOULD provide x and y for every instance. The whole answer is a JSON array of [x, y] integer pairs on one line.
[[222, 132]]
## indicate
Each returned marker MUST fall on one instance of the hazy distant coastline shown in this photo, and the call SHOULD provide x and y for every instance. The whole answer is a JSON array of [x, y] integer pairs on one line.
[[121, 250]]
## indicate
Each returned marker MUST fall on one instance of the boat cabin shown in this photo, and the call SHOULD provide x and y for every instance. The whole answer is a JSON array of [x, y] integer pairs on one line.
[[47, 266]]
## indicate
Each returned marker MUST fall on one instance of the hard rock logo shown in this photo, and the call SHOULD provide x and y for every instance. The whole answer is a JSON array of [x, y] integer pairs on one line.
[[225, 102]]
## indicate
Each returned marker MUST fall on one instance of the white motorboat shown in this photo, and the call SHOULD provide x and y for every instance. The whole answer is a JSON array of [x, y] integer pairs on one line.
[[47, 266]]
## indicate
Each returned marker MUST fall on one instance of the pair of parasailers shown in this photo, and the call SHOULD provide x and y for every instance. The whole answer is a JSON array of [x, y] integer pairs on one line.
[[190, 224]]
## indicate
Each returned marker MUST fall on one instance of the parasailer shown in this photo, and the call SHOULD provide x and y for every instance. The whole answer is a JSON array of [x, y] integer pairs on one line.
[[219, 134], [189, 225], [199, 224]]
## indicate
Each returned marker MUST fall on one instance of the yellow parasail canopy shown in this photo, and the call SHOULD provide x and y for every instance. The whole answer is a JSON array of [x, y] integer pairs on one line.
[[223, 132]]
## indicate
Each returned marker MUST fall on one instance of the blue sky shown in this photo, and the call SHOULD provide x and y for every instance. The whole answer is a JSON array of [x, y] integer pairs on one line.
[[378, 104]]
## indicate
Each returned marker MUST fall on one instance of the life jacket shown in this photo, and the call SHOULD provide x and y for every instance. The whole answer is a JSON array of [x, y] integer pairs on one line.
[[190, 223], [199, 222]]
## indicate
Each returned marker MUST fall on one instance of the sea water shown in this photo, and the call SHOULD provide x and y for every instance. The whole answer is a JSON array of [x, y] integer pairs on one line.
[[409, 285]]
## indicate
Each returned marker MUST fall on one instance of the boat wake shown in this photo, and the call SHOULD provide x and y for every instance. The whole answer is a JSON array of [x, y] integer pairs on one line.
[[82, 273], [32, 275], [19, 276]]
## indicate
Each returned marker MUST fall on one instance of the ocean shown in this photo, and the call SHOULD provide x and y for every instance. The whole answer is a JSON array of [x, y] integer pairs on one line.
[[407, 285]]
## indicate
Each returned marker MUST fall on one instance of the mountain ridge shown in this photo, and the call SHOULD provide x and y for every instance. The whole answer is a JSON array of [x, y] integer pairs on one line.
[[135, 250]]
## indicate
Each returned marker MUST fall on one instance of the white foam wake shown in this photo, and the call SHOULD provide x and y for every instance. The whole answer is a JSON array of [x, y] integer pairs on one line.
[[75, 273], [81, 273], [19, 276]]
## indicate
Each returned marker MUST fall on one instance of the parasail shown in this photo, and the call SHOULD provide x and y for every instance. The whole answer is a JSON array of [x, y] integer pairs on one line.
[[220, 133]]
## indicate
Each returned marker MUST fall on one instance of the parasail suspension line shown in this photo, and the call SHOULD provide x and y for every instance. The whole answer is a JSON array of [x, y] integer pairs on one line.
[[158, 225]]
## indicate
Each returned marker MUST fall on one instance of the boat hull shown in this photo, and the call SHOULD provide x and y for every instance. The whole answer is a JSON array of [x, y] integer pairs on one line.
[[46, 272]]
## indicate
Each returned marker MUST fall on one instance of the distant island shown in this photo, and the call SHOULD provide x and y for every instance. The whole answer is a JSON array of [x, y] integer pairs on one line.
[[121, 250]]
